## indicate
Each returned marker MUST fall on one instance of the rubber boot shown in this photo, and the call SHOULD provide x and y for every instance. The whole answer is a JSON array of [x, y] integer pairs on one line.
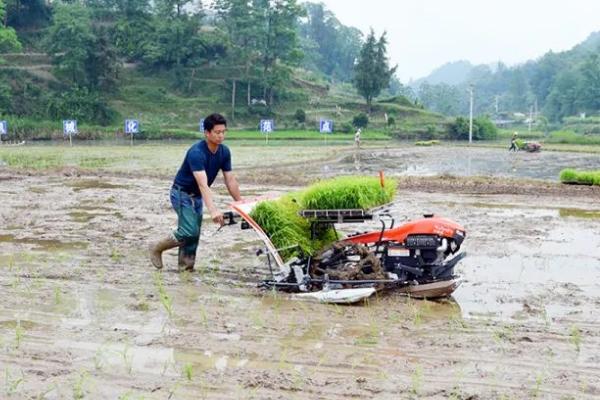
[[186, 262], [157, 248]]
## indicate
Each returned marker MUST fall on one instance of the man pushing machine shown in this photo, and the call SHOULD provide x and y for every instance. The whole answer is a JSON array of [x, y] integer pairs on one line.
[[191, 188]]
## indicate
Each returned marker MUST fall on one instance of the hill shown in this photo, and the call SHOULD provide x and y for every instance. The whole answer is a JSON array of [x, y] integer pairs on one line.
[[451, 73], [168, 66]]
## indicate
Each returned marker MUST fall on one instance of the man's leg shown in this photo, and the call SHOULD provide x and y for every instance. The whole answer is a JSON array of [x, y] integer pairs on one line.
[[187, 253], [169, 242], [189, 231]]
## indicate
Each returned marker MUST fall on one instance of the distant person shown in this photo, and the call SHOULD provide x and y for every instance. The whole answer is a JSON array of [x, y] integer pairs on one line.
[[513, 142], [191, 188], [357, 138]]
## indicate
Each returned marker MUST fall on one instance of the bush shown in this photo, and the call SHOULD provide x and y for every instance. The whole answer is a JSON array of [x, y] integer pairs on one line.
[[391, 121], [300, 116], [483, 129], [360, 120], [82, 105], [346, 127]]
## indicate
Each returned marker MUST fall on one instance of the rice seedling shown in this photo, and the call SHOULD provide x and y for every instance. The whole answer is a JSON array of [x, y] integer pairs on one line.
[[127, 359], [11, 385], [99, 358], [163, 296], [416, 380], [572, 176], [347, 193], [283, 359], [116, 255], [539, 380], [188, 371], [575, 337], [19, 334], [78, 385], [203, 316], [57, 296], [427, 143], [292, 234]]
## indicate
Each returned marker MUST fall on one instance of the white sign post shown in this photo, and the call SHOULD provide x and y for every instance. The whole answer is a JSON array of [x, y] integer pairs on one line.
[[201, 125], [3, 129], [267, 126], [70, 129], [132, 126], [326, 126]]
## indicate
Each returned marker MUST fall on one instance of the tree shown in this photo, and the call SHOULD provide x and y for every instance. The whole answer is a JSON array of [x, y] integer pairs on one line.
[[330, 46], [69, 40], [8, 36], [26, 13], [280, 49], [562, 100], [483, 129], [590, 84], [371, 72]]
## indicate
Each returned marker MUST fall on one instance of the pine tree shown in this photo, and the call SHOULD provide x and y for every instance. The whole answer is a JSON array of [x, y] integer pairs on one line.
[[372, 73]]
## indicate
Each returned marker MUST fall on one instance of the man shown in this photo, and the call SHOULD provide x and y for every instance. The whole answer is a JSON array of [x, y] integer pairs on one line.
[[191, 188], [513, 142], [357, 138]]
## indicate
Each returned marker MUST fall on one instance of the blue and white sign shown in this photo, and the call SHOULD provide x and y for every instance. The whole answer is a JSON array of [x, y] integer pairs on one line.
[[326, 126], [132, 126], [69, 127], [201, 125], [267, 125], [3, 128]]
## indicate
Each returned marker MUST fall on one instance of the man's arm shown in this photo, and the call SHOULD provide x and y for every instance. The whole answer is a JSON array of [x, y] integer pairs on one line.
[[232, 185], [207, 197]]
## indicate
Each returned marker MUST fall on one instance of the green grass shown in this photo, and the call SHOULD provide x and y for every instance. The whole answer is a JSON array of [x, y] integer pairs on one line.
[[570, 137], [163, 157], [580, 177]]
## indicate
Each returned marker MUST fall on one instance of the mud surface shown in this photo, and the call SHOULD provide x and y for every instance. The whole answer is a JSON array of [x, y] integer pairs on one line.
[[84, 315]]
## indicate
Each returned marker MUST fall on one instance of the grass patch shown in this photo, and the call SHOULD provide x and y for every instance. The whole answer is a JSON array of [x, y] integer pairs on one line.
[[570, 137], [572, 176], [292, 233]]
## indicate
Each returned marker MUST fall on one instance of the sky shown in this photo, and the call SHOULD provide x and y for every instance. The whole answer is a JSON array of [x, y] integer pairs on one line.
[[425, 34]]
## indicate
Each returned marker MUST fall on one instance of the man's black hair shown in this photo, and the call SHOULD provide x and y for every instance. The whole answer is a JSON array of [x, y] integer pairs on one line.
[[212, 120]]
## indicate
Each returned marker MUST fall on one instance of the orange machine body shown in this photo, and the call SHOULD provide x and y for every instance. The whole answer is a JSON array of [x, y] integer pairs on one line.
[[426, 226]]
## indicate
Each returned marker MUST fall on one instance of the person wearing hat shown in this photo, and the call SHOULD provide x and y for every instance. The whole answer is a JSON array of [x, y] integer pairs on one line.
[[513, 142]]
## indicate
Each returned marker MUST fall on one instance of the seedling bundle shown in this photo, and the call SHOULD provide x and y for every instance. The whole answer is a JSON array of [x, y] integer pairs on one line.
[[288, 231]]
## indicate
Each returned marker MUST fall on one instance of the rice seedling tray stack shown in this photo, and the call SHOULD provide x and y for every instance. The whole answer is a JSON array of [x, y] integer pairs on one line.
[[281, 220]]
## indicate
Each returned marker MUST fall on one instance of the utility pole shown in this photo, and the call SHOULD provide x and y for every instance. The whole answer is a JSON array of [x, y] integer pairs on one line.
[[530, 117], [497, 98], [470, 114]]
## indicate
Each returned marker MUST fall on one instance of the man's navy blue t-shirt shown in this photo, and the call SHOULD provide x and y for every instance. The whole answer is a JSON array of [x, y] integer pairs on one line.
[[199, 158]]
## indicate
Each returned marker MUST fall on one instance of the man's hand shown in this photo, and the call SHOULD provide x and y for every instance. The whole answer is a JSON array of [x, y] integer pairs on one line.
[[217, 217]]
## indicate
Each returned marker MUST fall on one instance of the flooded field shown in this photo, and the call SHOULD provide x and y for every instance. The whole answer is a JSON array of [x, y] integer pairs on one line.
[[85, 315]]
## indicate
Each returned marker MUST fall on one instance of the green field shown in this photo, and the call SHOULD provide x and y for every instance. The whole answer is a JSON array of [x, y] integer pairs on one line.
[[163, 157]]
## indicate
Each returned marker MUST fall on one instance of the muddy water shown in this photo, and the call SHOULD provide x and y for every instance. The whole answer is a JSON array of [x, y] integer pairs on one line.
[[463, 161], [85, 315]]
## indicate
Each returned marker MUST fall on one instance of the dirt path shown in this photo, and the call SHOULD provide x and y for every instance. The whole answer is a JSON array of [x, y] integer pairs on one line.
[[85, 315]]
